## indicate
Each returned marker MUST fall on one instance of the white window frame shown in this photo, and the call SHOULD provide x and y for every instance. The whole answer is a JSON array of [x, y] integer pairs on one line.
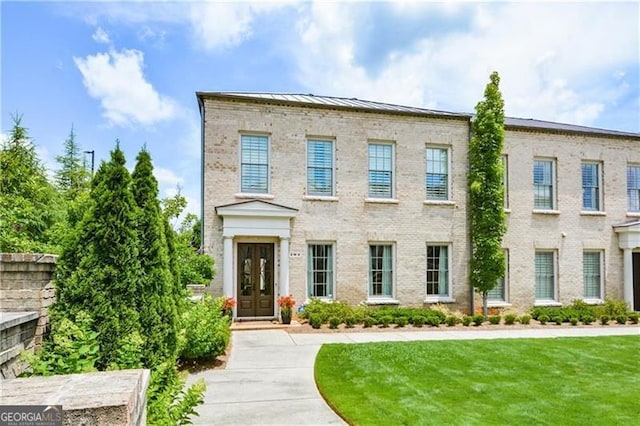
[[599, 199], [634, 210], [240, 163], [554, 300], [332, 244], [505, 281], [310, 194], [594, 300], [432, 298], [447, 149], [393, 170], [505, 181], [554, 185], [381, 298]]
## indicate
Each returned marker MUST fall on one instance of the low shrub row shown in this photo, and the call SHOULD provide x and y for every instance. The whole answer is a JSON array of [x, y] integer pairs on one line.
[[579, 311]]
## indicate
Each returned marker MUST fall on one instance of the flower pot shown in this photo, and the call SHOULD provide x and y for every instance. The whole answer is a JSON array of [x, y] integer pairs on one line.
[[285, 317]]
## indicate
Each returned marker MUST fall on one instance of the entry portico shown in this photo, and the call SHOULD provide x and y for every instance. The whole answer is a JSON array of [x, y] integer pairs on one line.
[[265, 225], [629, 242]]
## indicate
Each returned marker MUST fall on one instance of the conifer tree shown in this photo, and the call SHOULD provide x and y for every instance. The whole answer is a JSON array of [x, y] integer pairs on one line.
[[486, 193], [72, 178], [157, 303], [100, 270]]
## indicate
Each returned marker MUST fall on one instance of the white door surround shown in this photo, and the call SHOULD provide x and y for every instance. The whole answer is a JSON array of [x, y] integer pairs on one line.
[[629, 240], [255, 218]]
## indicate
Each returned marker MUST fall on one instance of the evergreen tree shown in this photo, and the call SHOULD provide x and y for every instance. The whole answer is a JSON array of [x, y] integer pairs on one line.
[[100, 269], [28, 202], [486, 193], [72, 178], [157, 303]]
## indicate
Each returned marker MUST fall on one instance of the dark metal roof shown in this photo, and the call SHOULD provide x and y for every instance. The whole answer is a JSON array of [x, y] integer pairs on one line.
[[354, 103]]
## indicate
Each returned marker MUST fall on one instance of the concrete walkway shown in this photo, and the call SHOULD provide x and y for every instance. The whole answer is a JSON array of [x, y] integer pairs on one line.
[[269, 377]]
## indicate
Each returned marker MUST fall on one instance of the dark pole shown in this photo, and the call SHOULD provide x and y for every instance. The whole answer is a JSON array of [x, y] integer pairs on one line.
[[93, 153]]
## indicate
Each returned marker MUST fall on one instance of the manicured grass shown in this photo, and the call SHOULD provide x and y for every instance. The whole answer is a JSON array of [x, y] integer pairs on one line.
[[561, 381]]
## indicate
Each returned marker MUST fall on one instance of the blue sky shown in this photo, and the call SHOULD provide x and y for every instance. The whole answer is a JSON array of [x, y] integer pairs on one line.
[[130, 70]]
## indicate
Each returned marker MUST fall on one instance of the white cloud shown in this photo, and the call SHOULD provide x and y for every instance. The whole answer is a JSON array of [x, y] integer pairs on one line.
[[101, 36], [167, 179], [118, 81]]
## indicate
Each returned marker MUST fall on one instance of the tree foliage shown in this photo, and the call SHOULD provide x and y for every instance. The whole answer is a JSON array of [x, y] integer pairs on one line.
[[72, 177], [486, 192], [29, 204]]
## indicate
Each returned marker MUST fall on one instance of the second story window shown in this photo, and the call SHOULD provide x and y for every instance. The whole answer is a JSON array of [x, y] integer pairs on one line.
[[590, 186], [380, 170], [505, 181], [254, 164], [437, 179], [543, 190], [633, 188], [319, 167]]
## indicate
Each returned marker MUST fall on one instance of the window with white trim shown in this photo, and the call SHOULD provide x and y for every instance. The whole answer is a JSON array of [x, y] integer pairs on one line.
[[380, 170], [505, 181], [592, 274], [633, 188], [381, 270], [543, 184], [546, 275], [499, 292], [438, 276], [320, 270], [437, 176], [254, 164], [591, 193], [320, 167]]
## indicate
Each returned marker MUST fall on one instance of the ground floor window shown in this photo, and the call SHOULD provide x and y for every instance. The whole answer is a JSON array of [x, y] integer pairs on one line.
[[320, 270], [592, 275], [499, 292], [381, 270], [438, 270], [545, 267]]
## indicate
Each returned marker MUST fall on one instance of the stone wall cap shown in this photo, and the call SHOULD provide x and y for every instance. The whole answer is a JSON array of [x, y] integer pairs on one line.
[[11, 319], [28, 257]]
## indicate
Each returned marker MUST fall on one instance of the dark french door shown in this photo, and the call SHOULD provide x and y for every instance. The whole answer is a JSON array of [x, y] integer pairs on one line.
[[255, 280]]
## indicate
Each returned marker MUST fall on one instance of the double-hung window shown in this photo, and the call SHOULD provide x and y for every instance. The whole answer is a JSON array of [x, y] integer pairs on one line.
[[381, 270], [380, 170], [320, 270], [320, 167], [437, 177], [254, 164], [543, 184], [633, 188], [591, 186], [592, 274], [499, 292], [438, 276], [545, 270]]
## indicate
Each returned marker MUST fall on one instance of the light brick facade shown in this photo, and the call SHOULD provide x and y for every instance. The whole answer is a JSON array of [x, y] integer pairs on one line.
[[350, 221]]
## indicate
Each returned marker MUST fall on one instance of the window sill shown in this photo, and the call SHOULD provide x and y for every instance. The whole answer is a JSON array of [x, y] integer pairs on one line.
[[327, 299], [439, 203], [592, 213], [507, 211], [498, 304], [548, 212], [319, 198], [382, 200], [633, 214], [382, 301], [593, 301], [256, 196], [439, 300], [547, 303]]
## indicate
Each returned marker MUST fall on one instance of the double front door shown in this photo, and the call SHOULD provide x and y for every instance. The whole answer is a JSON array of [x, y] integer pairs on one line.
[[255, 280]]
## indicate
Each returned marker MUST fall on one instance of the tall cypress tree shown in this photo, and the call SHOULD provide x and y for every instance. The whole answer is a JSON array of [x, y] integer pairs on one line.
[[157, 305], [486, 193], [100, 270]]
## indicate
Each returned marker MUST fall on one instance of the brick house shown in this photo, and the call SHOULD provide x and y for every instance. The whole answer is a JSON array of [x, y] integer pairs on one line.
[[363, 201]]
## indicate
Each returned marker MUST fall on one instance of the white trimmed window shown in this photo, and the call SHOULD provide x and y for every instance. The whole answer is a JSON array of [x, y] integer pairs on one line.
[[438, 271], [380, 170], [633, 188], [254, 164], [320, 270], [505, 180], [543, 184], [592, 274], [437, 176], [320, 168], [591, 183], [499, 292], [546, 275], [381, 270]]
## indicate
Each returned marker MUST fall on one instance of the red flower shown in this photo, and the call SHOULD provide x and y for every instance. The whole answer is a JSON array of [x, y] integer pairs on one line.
[[286, 301]]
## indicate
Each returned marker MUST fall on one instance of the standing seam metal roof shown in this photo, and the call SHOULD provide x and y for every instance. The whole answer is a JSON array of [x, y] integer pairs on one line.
[[330, 101]]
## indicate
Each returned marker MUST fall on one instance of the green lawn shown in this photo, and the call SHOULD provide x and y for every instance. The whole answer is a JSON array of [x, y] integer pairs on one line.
[[561, 381]]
